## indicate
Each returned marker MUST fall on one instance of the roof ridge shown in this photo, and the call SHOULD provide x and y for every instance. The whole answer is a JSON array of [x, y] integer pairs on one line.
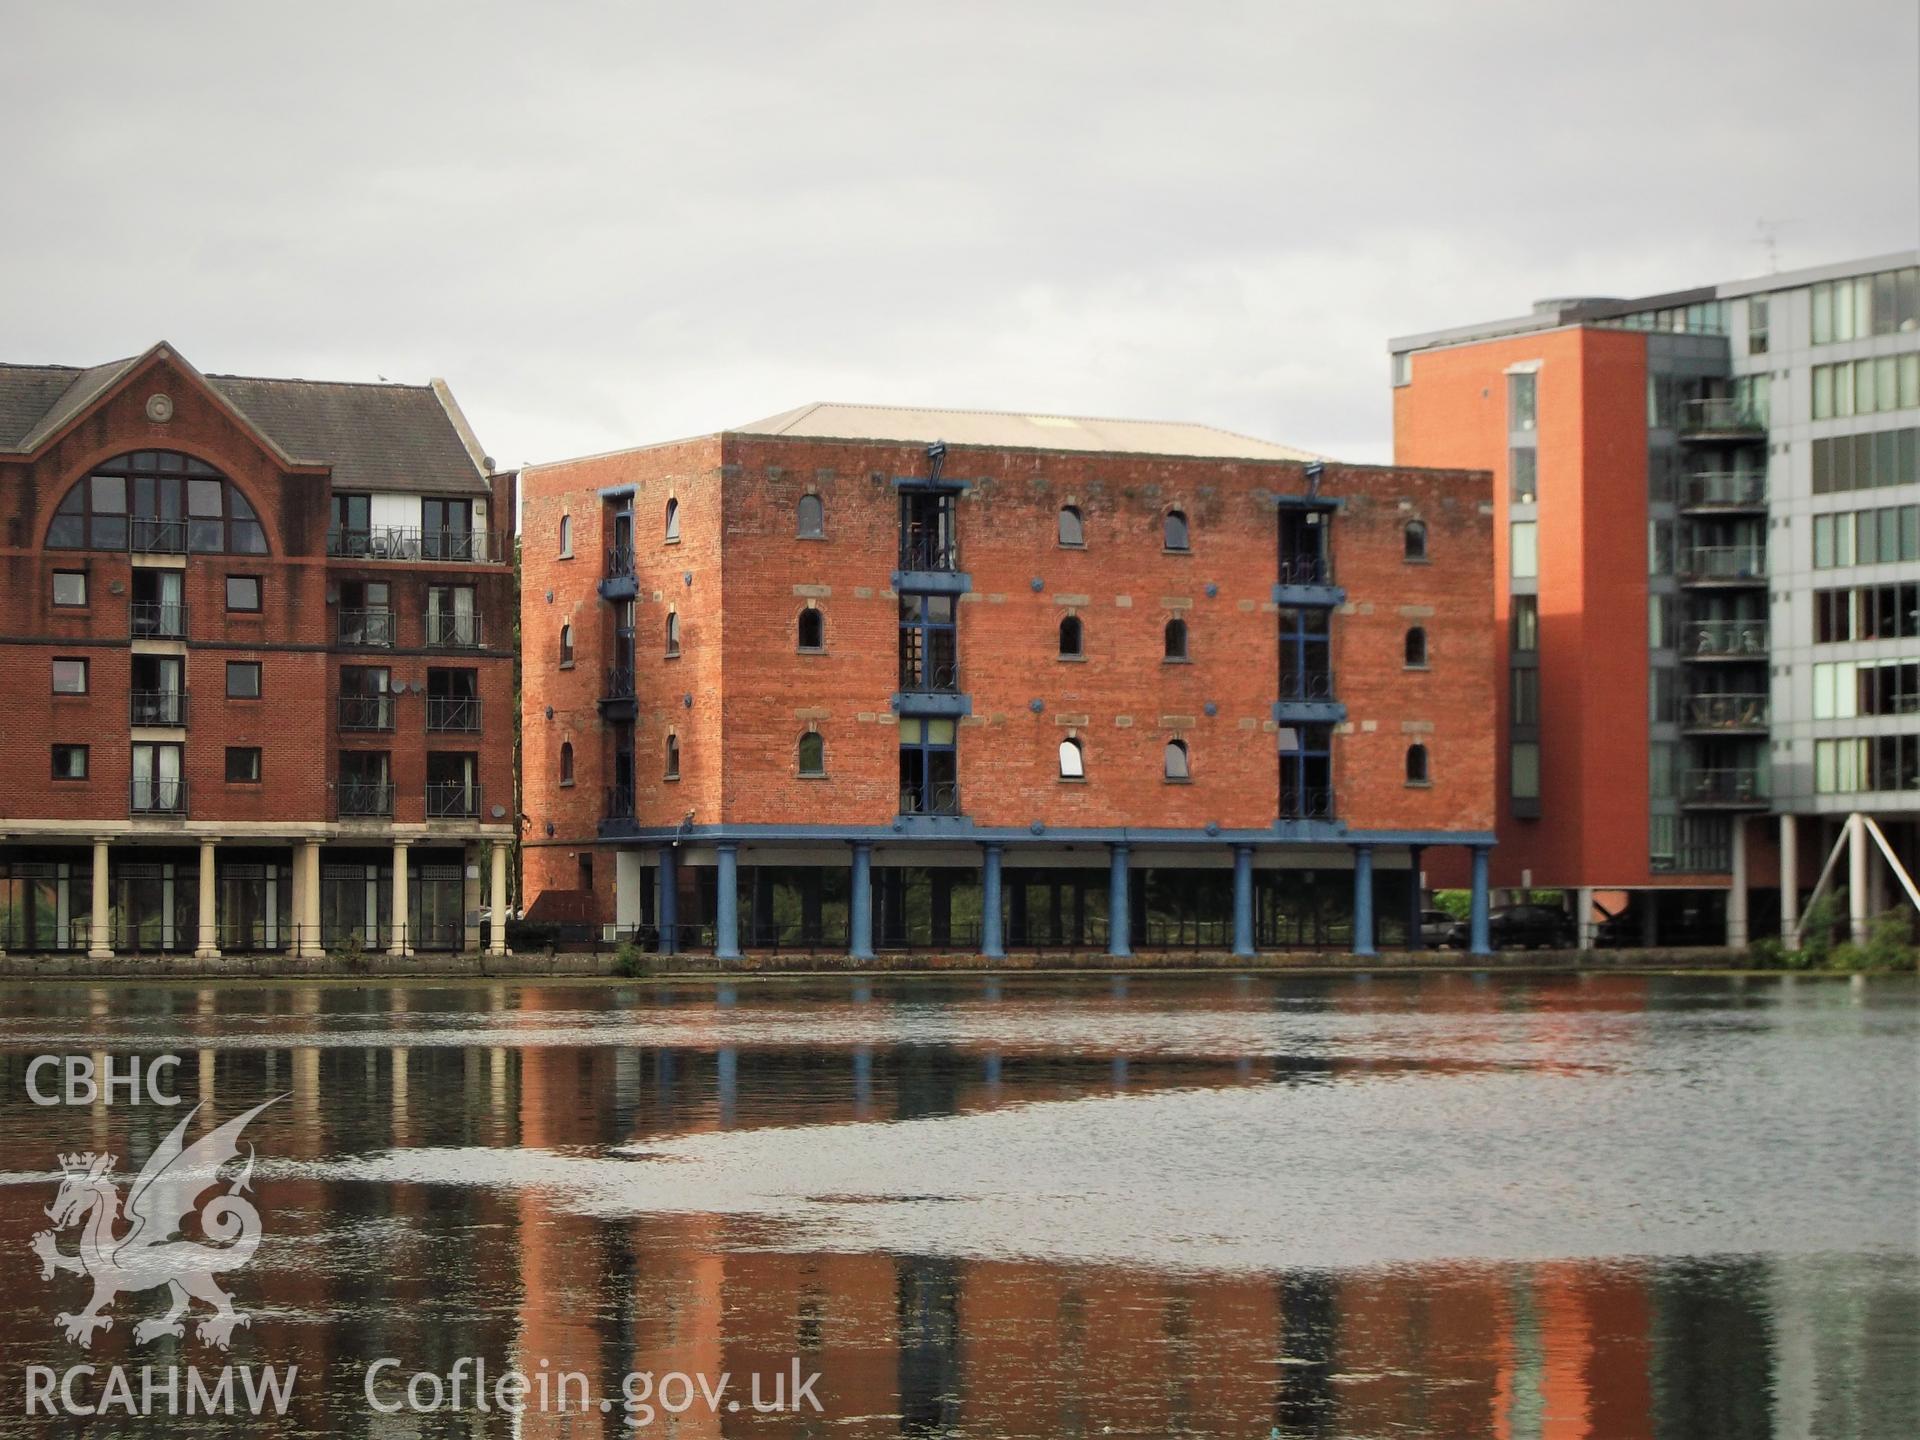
[[303, 380], [1027, 415]]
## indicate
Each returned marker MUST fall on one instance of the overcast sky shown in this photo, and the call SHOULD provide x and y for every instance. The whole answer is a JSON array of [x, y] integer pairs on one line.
[[609, 226]]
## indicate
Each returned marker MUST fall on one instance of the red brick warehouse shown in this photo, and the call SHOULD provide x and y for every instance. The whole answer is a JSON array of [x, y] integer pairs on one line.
[[258, 638], [823, 682]]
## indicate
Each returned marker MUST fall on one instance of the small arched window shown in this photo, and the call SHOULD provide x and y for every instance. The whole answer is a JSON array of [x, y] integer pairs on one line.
[[566, 644], [1073, 761], [566, 537], [673, 633], [672, 771], [811, 518], [1072, 638], [673, 520], [813, 754], [1073, 527], [1417, 648], [1176, 635], [1176, 761], [1416, 540], [1175, 530], [813, 629], [1417, 765], [566, 762]]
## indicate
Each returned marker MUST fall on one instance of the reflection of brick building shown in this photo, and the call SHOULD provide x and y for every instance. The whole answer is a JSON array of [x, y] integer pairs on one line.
[[821, 682], [260, 639]]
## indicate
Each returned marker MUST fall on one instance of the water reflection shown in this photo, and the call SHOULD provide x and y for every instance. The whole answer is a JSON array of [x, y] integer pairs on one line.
[[1439, 1206]]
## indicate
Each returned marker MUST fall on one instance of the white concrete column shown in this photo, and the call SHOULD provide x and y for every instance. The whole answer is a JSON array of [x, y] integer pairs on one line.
[[209, 947], [627, 879], [310, 899], [1789, 880], [1737, 891], [100, 941], [497, 902], [1857, 843], [1583, 916], [402, 943], [1876, 875]]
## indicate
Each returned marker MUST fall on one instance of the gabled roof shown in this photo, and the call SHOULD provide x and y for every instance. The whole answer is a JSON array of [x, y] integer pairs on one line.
[[372, 436], [826, 420]]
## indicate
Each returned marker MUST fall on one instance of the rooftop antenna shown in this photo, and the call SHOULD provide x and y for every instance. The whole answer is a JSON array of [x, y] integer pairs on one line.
[[1315, 470], [936, 458], [1770, 238]]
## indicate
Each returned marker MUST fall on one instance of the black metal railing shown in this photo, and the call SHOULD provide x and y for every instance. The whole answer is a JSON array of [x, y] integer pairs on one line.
[[619, 802], [453, 712], [157, 707], [1307, 685], [1725, 490], [1725, 712], [928, 679], [1306, 569], [156, 620], [1729, 785], [366, 712], [929, 552], [1308, 803], [157, 797], [1723, 562], [452, 800], [1724, 640], [373, 628], [405, 542], [941, 798], [453, 632], [364, 798], [148, 536], [619, 684], [619, 562]]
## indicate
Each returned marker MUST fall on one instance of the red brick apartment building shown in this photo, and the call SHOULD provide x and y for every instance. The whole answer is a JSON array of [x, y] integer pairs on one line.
[[864, 677], [258, 640]]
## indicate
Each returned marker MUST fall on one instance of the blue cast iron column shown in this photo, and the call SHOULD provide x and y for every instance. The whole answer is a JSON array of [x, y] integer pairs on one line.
[[1363, 900], [1119, 909], [1243, 901], [1413, 897], [666, 883], [992, 943], [726, 921], [860, 908], [1478, 940]]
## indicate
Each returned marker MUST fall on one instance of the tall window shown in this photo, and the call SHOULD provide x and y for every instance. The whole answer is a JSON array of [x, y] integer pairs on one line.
[[157, 501], [1523, 556], [1417, 765], [1415, 540], [1525, 770], [1416, 648], [813, 754], [929, 767], [1522, 392], [1174, 761], [1757, 325], [929, 643], [1072, 638], [1176, 639], [673, 633], [1523, 468], [566, 537], [1176, 534], [566, 644], [673, 520], [446, 530], [566, 762], [672, 771], [1526, 623], [1306, 671], [810, 518], [1306, 772], [1073, 761], [452, 617], [813, 629], [1073, 527]]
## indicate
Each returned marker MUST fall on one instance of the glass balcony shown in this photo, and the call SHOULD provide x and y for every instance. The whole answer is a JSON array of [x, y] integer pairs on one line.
[[155, 620], [1738, 787], [1721, 415], [1725, 714], [1707, 490], [1723, 565], [1723, 640]]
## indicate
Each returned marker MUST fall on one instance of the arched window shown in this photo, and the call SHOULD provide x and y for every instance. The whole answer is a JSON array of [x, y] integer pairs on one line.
[[813, 629], [1073, 527], [1176, 761], [566, 644], [1073, 761], [673, 520], [566, 537], [672, 771], [1176, 530], [1072, 638], [810, 518], [1416, 540], [1416, 648], [1417, 765], [1176, 639], [157, 501], [673, 633], [813, 754], [566, 762]]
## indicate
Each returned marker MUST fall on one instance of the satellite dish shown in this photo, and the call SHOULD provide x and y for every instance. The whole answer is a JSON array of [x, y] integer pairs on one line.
[[499, 812]]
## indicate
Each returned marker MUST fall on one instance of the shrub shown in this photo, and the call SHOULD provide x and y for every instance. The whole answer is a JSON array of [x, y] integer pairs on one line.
[[351, 954], [1817, 927], [1889, 943], [628, 962], [1770, 953]]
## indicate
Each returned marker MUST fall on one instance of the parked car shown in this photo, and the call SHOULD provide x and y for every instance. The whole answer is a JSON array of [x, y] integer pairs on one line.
[[1520, 927], [1436, 928]]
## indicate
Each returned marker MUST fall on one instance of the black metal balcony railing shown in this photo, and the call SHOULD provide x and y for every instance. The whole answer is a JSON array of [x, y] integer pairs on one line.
[[399, 542], [453, 632], [1725, 712], [940, 798], [1307, 685], [930, 679], [1306, 569], [152, 796], [1731, 785], [372, 628], [364, 799], [1310, 803], [156, 620], [619, 562], [929, 552], [1725, 490], [1724, 640], [619, 683], [453, 712], [366, 712], [147, 536], [1721, 415], [157, 707], [619, 804], [1724, 562], [452, 800]]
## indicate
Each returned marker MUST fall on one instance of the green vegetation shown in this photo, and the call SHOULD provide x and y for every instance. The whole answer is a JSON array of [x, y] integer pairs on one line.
[[628, 962], [1889, 946]]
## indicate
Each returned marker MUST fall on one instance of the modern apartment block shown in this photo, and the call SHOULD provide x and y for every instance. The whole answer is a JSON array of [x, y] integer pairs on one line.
[[1708, 587], [258, 640], [859, 678]]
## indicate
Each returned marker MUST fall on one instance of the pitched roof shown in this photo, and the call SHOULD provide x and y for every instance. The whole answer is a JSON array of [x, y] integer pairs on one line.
[[826, 420], [376, 437]]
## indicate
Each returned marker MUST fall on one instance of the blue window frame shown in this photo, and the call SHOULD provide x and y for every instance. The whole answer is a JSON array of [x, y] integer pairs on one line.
[[929, 643], [1306, 772], [929, 767], [1305, 664]]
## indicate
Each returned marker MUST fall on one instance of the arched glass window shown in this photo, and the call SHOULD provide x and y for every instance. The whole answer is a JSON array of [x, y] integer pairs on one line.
[[1176, 639], [1072, 638], [566, 762], [1176, 530], [811, 518], [566, 537], [673, 756], [673, 520], [1417, 765], [813, 754], [1073, 526], [1416, 540], [1073, 761], [1176, 760], [1416, 648], [813, 629], [157, 502], [673, 633], [566, 644]]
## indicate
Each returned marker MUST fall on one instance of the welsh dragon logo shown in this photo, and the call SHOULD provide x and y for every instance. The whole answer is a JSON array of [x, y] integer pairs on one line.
[[152, 1252]]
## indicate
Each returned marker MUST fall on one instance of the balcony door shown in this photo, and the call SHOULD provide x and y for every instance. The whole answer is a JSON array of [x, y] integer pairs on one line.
[[157, 786], [451, 618], [446, 529]]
